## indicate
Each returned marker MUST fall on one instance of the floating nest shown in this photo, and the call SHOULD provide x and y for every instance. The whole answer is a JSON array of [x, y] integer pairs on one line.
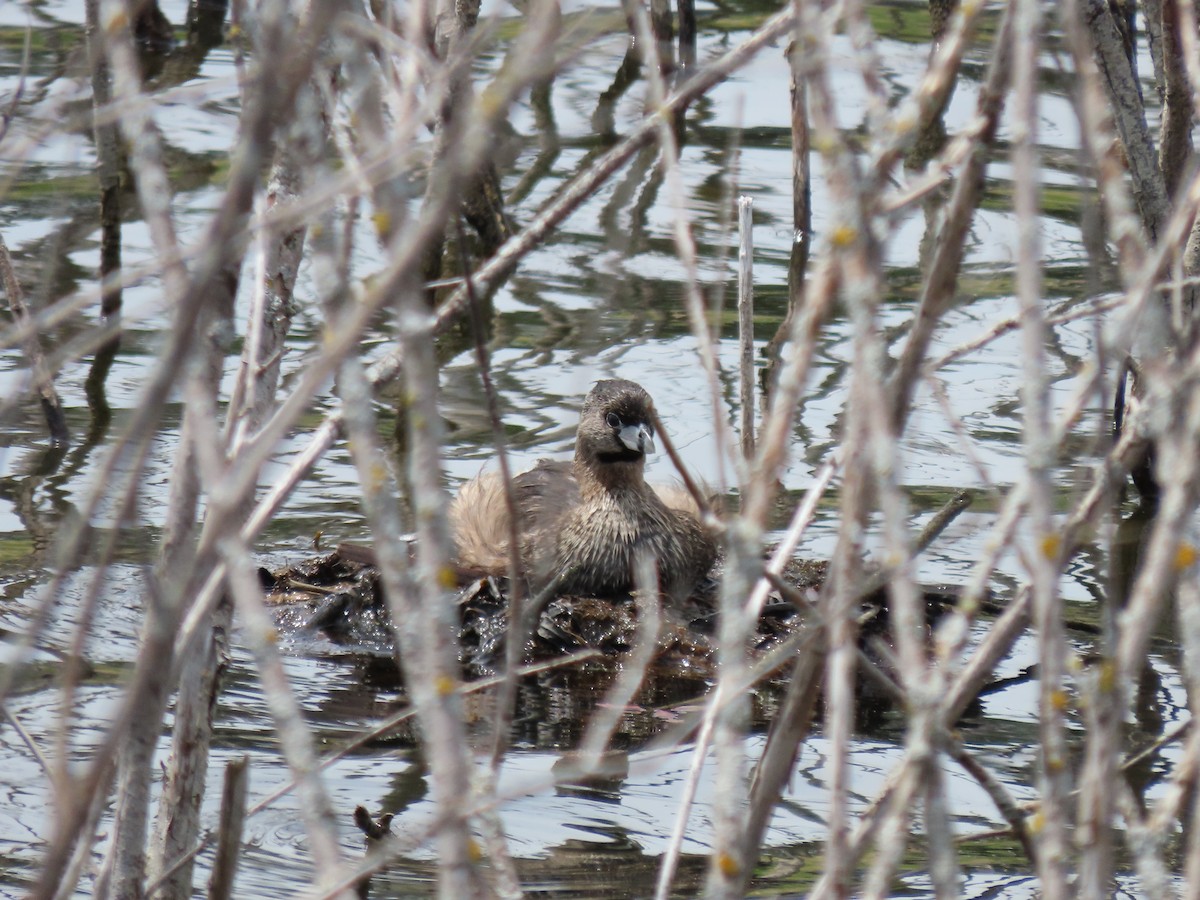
[[340, 596]]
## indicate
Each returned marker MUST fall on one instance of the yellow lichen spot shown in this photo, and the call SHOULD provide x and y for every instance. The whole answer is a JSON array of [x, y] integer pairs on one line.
[[1055, 765], [729, 865], [824, 144], [1185, 556], [474, 851], [117, 20], [444, 685], [272, 636], [489, 103], [235, 32], [904, 122], [1108, 676], [447, 578], [844, 235], [382, 221], [377, 475], [1051, 545], [1059, 700], [1037, 822]]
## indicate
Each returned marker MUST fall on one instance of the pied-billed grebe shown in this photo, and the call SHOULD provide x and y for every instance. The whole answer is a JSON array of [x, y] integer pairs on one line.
[[583, 524]]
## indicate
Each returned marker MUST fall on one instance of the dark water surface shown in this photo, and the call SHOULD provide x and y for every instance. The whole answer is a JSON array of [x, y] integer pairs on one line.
[[600, 298]]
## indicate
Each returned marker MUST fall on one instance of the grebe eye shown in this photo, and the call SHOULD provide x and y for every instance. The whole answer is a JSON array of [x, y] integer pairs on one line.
[[614, 421]]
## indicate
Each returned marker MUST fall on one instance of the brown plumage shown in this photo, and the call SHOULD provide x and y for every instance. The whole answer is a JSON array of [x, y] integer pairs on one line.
[[582, 524]]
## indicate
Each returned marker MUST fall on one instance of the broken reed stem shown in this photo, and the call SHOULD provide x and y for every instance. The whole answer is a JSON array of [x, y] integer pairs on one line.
[[28, 740], [1100, 147], [229, 830], [745, 307], [56, 421], [109, 160], [1125, 107], [801, 211]]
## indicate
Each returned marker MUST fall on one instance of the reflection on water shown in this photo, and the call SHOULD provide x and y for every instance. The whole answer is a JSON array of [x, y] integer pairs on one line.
[[601, 297]]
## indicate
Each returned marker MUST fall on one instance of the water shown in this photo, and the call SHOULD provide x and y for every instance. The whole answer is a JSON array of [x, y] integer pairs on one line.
[[601, 297]]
